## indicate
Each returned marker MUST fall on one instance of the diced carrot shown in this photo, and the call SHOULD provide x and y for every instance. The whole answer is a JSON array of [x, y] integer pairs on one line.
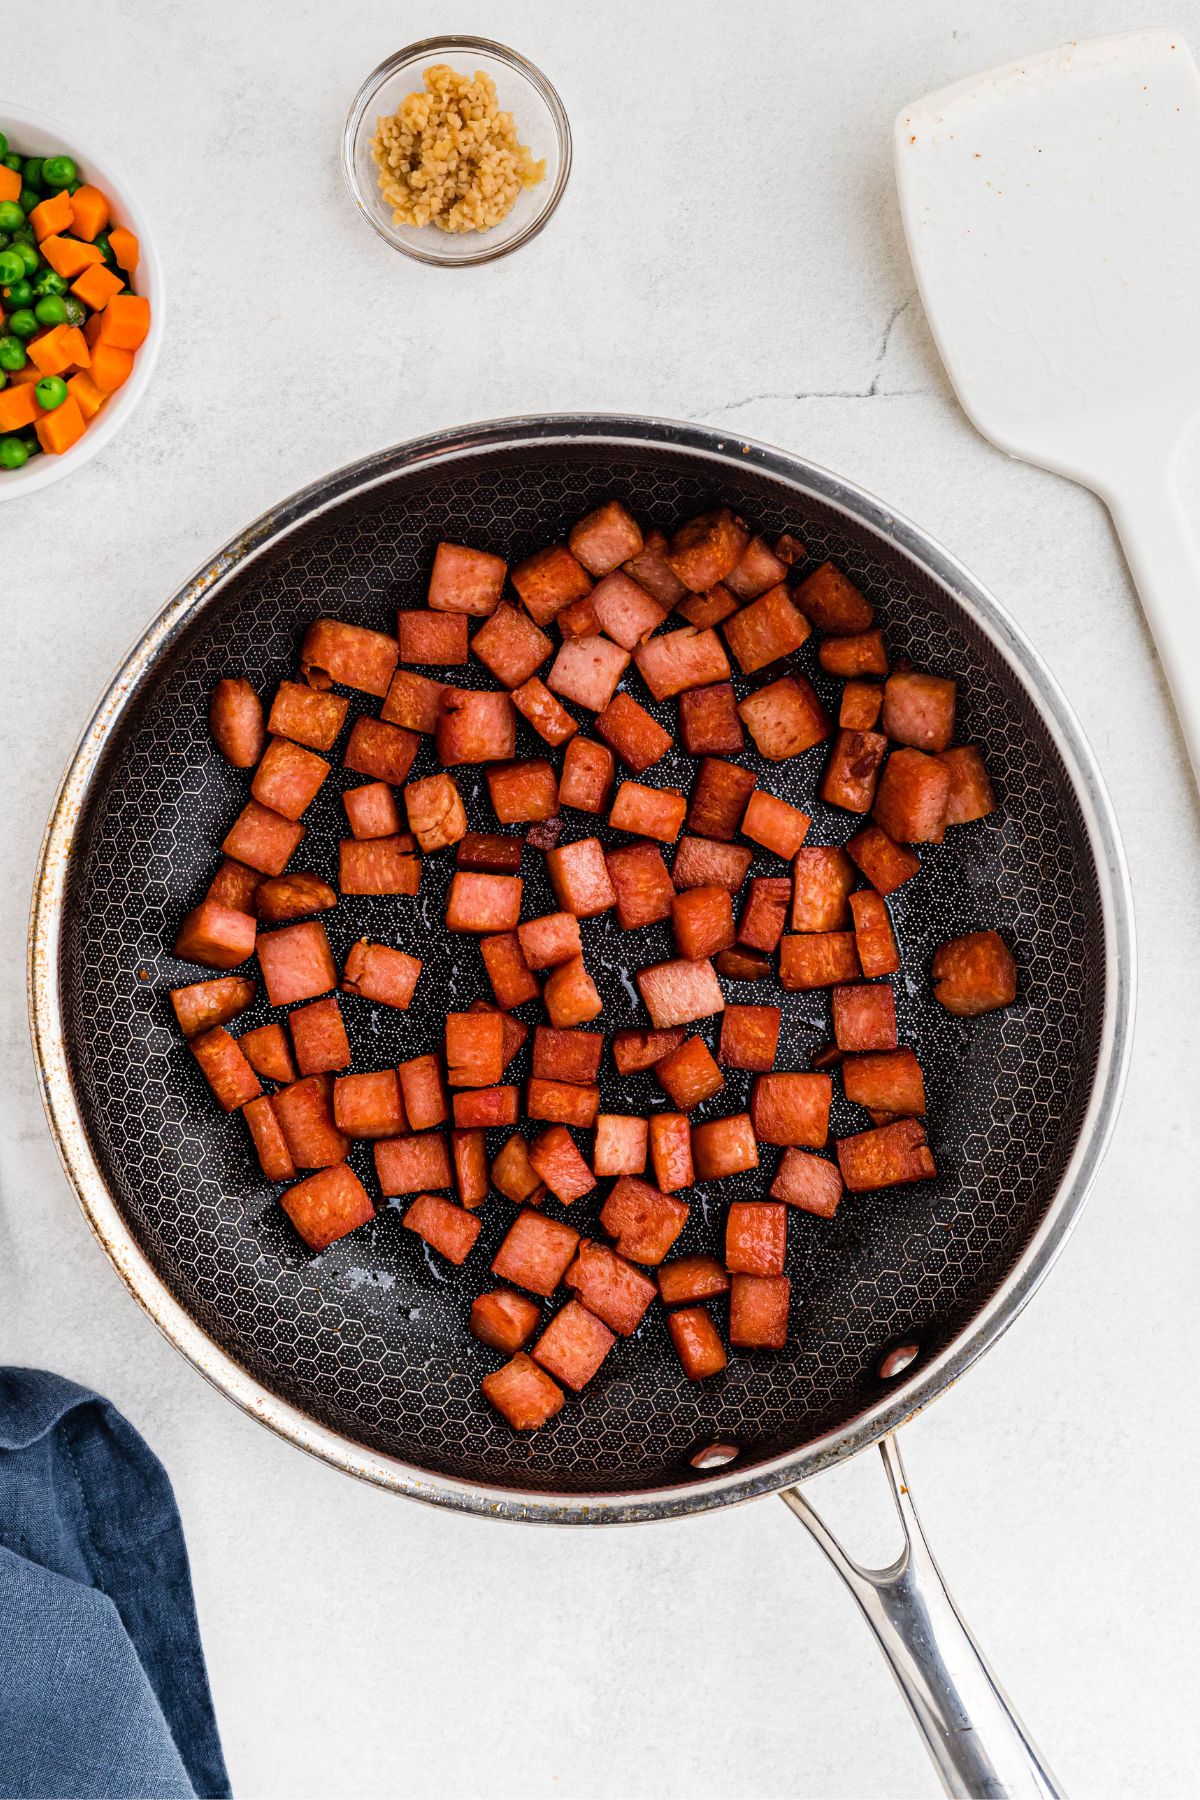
[[774, 824], [627, 613], [823, 878], [833, 603], [720, 795], [474, 1049], [758, 1311], [319, 1037], [765, 913], [549, 941], [681, 659], [912, 797], [587, 670], [889, 1156], [561, 1103], [10, 184], [450, 1230], [638, 739], [864, 1016], [818, 959], [644, 1221], [511, 645], [486, 1109], [548, 716], [549, 580], [853, 770], [725, 1147], [377, 972], [691, 1278], [636, 1050], [274, 1157], [573, 1345], [76, 347], [769, 629], [523, 791], [605, 538], [971, 795], [59, 429], [873, 935], [512, 980], [610, 1287], [96, 287], [379, 865], [705, 549], [49, 216], [483, 903], [203, 1004], [918, 710], [109, 368], [369, 1105], [812, 1183], [885, 864], [587, 775], [414, 702], [757, 569], [524, 1394], [126, 321], [328, 1206], [225, 1069], [305, 1113], [755, 1238], [515, 1176], [535, 1253], [749, 1036], [697, 1343], [296, 962], [701, 862], [671, 1151], [18, 407], [125, 248], [475, 727], [792, 1109], [49, 353], [641, 883], [216, 936], [579, 877], [89, 211], [887, 1081], [974, 974], [571, 996], [620, 1146], [69, 258], [466, 581], [708, 721], [503, 1320], [410, 1164], [785, 718]]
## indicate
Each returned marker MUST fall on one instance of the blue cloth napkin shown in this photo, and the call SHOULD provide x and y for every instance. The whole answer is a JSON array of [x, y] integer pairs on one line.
[[103, 1689]]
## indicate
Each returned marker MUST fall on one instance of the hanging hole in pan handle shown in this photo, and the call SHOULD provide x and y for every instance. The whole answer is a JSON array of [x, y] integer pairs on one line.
[[714, 1456]]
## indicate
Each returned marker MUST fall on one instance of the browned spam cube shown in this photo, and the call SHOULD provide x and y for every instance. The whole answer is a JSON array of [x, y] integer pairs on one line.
[[436, 815], [691, 1278], [706, 610], [377, 972], [562, 1102], [818, 959], [410, 1164], [610, 1287], [689, 1075], [651, 570], [483, 903], [512, 979], [648, 812], [671, 1151], [425, 1099], [371, 810], [738, 964], [708, 721], [551, 940], [450, 1230], [888, 1156], [860, 653], [548, 716], [306, 716], [262, 839], [627, 613], [812, 1183], [475, 727], [438, 638], [912, 797], [319, 1037], [758, 1311], [571, 996], [503, 1320], [822, 879], [588, 772], [971, 794], [235, 886], [235, 718], [861, 705], [494, 852], [873, 934], [523, 791], [567, 1055], [702, 862], [706, 549], [885, 863], [853, 770], [676, 993], [578, 620], [559, 1163], [228, 1074], [749, 1036], [296, 963], [918, 710], [766, 630], [719, 798], [511, 645], [414, 702], [635, 1050], [724, 1147], [216, 936], [757, 569], [579, 876], [513, 1031], [864, 1016], [385, 752], [328, 1205], [641, 883], [755, 1238], [206, 1003], [785, 718], [523, 1394], [605, 538], [514, 1176], [573, 1345], [678, 660], [466, 581], [697, 1343], [549, 580], [774, 824], [486, 1109], [305, 1113], [281, 898], [833, 603], [270, 1145], [620, 1146], [535, 1253], [792, 1108], [702, 921], [349, 655], [638, 739], [369, 1105], [974, 974], [587, 670], [885, 1081], [644, 1221], [379, 865], [765, 913], [474, 1049]]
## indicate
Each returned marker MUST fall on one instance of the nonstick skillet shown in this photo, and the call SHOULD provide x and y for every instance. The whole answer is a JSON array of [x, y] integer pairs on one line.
[[361, 1355]]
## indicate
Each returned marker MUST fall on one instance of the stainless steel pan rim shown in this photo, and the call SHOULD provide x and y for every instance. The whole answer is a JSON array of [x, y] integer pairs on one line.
[[704, 1490]]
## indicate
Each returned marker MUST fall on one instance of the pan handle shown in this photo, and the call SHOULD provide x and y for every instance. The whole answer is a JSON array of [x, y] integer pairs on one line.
[[979, 1746]]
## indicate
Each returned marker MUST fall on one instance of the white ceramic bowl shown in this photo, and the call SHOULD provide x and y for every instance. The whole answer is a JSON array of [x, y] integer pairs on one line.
[[36, 135]]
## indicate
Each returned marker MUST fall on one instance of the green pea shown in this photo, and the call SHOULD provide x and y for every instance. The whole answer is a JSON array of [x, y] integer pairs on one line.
[[12, 353], [18, 295], [3, 145], [102, 244], [49, 281], [12, 267], [76, 310], [13, 454], [22, 323], [50, 311], [29, 253], [11, 216], [24, 236], [5, 240], [29, 199], [31, 441], [50, 392], [3, 380], [31, 174], [59, 172], [12, 161]]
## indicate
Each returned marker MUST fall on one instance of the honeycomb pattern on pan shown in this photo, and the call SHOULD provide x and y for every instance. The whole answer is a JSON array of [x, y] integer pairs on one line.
[[370, 1337]]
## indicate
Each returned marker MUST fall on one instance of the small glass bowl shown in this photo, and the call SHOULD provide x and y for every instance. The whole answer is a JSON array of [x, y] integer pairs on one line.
[[538, 114]]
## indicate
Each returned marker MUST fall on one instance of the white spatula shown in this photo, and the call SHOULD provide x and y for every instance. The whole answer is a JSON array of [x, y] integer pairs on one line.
[[1052, 210]]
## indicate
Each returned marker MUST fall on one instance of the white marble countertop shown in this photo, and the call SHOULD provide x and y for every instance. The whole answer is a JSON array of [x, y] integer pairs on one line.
[[729, 251]]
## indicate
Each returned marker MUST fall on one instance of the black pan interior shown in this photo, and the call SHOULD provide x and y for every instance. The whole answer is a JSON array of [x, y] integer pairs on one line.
[[370, 1338]]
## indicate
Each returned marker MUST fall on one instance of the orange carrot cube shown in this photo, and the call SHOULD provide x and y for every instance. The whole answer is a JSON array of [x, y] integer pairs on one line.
[[648, 812], [573, 1345], [549, 580], [644, 1221], [216, 936], [671, 1151], [523, 1394], [701, 862], [627, 613], [725, 1146], [228, 1074], [270, 1145], [450, 1230], [605, 538], [514, 1175], [58, 430], [587, 670], [610, 1287], [758, 1311], [588, 772], [676, 993], [833, 603], [702, 920], [689, 1075], [475, 727], [792, 1109], [296, 962], [974, 974], [641, 883], [691, 1278], [377, 972], [579, 877], [755, 1238], [749, 1036], [18, 405], [49, 353], [571, 996], [50, 215], [912, 797], [410, 1164], [205, 1003], [562, 1102], [719, 798], [126, 321], [810, 1182], [521, 791], [96, 287], [483, 903], [697, 1343], [89, 211], [109, 368], [889, 1156], [864, 1016], [774, 824], [638, 739], [681, 659], [466, 581], [511, 646], [785, 718], [69, 257], [535, 1253], [328, 1206], [971, 795], [709, 722], [125, 248], [620, 1147], [548, 716], [503, 1320], [707, 548], [765, 913], [474, 1049], [512, 980], [873, 935], [369, 1105]]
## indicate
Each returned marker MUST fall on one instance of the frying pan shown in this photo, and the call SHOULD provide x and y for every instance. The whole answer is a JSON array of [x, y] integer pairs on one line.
[[360, 1355]]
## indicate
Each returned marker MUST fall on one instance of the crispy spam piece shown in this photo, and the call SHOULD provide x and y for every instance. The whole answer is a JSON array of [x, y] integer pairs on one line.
[[425, 1099], [587, 670], [749, 1036], [758, 1311], [912, 797], [812, 1183], [885, 863], [436, 815], [474, 1049], [701, 862], [792, 1109], [236, 721], [720, 795], [436, 638], [709, 609], [651, 570], [274, 1157], [862, 653], [307, 716], [466, 581], [864, 1016], [641, 883], [409, 1164], [648, 812], [236, 886], [765, 913], [785, 718], [889, 1156], [578, 620], [503, 1320], [691, 1278], [379, 865], [708, 721], [385, 752], [522, 791], [328, 1206], [676, 993], [548, 716], [571, 996], [638, 739], [475, 727], [605, 538], [644, 1221], [523, 1394], [514, 1176], [377, 972], [671, 1151], [511, 645], [353, 657], [636, 1050], [296, 962], [689, 1075], [228, 1074], [486, 1109], [559, 1163], [971, 794], [766, 630], [450, 1230], [818, 959], [822, 879], [305, 1113], [298, 896], [514, 1031], [697, 1343], [620, 1146], [755, 1238], [587, 777], [757, 569], [371, 810], [775, 824], [873, 935], [705, 549], [562, 1102], [549, 580], [203, 1004], [724, 1147], [833, 603], [288, 777], [610, 1287], [885, 1081], [627, 613], [319, 1037], [919, 710], [974, 974], [687, 658], [510, 975], [742, 965], [216, 936], [535, 1252], [483, 903], [853, 770], [567, 1055], [702, 921], [262, 839], [414, 702], [861, 705], [494, 852], [579, 876], [573, 1345], [369, 1105], [551, 940]]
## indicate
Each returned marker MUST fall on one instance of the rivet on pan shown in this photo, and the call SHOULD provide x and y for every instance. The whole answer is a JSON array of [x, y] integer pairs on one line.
[[714, 1456], [897, 1360]]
